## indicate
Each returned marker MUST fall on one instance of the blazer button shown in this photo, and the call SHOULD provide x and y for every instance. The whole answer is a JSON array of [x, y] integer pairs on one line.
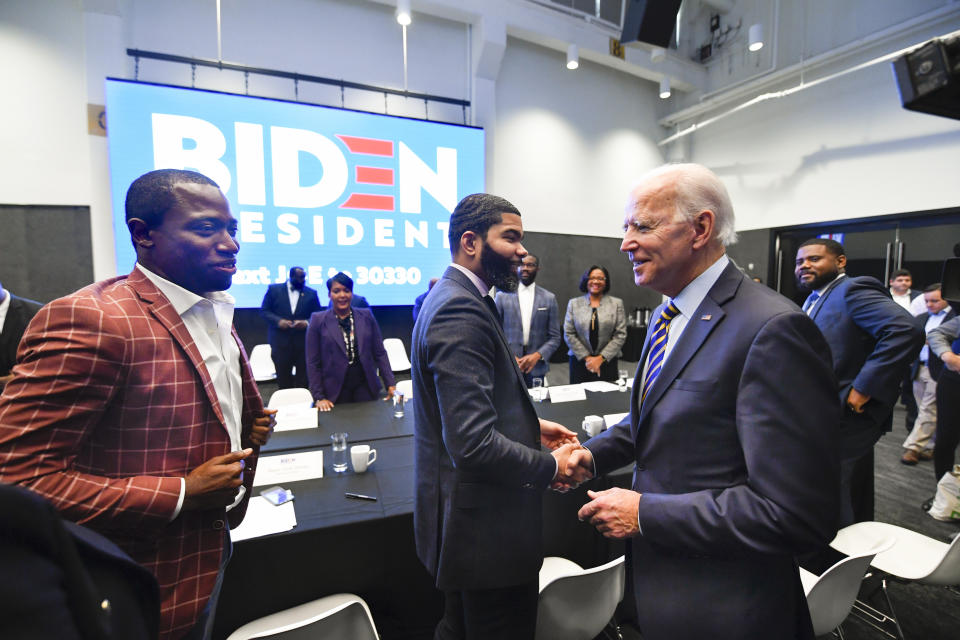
[[641, 467], [218, 524], [528, 485], [105, 605]]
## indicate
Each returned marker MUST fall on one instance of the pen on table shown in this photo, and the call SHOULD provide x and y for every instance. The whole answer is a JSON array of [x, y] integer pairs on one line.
[[360, 496]]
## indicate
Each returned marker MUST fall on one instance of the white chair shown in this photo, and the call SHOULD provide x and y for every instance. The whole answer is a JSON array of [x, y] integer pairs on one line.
[[343, 616], [397, 354], [577, 603], [831, 596], [262, 364], [286, 397], [913, 557], [406, 388]]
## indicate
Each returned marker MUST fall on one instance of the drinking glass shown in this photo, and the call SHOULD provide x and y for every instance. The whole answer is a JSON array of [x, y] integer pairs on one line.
[[340, 455], [622, 379], [538, 389]]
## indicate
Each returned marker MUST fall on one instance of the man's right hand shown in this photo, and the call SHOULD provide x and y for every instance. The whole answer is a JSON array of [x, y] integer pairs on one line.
[[284, 324], [951, 361], [213, 485]]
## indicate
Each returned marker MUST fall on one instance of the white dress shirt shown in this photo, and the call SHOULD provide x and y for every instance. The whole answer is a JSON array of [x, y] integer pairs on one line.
[[525, 297], [208, 320], [687, 301], [294, 295], [4, 308]]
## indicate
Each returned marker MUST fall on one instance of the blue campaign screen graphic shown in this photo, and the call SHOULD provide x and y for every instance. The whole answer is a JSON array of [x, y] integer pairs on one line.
[[323, 188]]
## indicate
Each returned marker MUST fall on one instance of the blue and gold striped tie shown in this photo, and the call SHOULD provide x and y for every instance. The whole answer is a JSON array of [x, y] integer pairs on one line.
[[658, 347]]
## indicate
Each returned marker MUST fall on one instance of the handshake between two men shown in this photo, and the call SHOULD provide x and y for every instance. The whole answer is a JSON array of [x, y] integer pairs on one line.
[[613, 511]]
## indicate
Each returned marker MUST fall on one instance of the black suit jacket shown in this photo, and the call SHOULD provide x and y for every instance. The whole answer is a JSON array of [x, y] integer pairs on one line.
[[276, 307], [480, 472], [19, 314], [873, 341], [60, 574]]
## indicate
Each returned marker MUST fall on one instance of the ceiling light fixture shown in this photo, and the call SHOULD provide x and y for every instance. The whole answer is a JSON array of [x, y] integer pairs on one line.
[[573, 57], [664, 88], [403, 12], [756, 37]]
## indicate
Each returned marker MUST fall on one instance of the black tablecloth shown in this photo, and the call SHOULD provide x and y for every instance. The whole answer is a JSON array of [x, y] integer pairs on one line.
[[346, 545]]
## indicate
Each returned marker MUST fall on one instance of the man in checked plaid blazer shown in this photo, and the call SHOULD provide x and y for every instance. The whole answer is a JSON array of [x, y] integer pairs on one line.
[[132, 408]]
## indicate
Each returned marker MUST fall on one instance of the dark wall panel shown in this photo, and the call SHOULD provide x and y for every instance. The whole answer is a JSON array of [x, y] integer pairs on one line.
[[45, 251]]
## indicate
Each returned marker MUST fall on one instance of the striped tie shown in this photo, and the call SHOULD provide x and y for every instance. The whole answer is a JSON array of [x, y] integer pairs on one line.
[[658, 347]]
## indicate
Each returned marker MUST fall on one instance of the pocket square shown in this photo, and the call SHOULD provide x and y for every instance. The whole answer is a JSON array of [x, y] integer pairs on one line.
[[541, 308]]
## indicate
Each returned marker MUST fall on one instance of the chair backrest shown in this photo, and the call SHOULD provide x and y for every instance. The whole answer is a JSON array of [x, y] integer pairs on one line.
[[831, 597], [406, 388], [342, 616], [262, 364], [578, 606], [397, 354], [286, 397], [947, 572]]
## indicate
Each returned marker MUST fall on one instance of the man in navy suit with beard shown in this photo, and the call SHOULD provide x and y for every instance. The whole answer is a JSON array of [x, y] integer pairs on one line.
[[286, 308], [873, 340]]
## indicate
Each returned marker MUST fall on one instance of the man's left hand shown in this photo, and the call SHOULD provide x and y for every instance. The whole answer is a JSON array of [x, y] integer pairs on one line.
[[529, 361], [593, 364], [856, 400], [614, 512], [300, 324], [391, 391], [554, 435], [263, 427]]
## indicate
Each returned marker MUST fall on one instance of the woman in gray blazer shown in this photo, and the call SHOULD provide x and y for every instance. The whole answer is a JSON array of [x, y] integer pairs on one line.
[[595, 329]]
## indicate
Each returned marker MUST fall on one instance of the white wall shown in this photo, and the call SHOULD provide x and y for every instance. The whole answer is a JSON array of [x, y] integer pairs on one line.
[[842, 149], [569, 144]]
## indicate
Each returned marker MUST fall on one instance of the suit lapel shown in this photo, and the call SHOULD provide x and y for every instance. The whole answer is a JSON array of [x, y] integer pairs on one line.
[[708, 315], [163, 311], [332, 328]]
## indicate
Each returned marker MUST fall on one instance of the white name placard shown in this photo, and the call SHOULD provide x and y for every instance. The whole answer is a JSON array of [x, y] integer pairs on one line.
[[567, 393], [293, 417], [289, 467]]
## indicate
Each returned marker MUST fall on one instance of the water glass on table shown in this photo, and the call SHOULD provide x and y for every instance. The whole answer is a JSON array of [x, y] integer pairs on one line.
[[537, 389], [340, 455], [622, 379]]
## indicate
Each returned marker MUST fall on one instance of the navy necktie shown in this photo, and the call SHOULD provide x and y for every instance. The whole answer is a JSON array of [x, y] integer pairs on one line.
[[811, 301]]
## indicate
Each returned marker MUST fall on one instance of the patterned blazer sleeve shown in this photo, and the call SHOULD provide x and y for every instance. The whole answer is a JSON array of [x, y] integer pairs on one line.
[[72, 365]]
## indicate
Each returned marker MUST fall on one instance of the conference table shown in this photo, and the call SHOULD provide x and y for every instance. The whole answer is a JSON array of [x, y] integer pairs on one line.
[[367, 547]]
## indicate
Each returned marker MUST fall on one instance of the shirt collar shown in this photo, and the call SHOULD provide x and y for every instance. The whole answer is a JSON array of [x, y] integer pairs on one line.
[[523, 288], [474, 278], [181, 299], [693, 294]]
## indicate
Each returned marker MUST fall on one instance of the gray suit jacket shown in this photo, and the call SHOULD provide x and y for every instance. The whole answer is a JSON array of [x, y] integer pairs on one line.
[[736, 464], [613, 327], [480, 472], [544, 326]]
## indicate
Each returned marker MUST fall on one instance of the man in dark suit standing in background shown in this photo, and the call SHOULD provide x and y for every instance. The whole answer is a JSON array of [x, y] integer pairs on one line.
[[873, 341], [731, 425], [286, 308], [15, 315], [531, 321], [480, 472]]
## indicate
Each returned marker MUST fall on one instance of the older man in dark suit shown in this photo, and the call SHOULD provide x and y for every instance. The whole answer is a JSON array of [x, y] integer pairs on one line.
[[15, 315], [873, 340], [287, 307], [480, 472], [731, 424], [531, 321]]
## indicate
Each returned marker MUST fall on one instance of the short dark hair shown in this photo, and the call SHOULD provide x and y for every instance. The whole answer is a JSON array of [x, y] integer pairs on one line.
[[534, 256], [476, 212], [342, 278], [900, 272], [586, 276], [151, 195], [831, 245], [936, 286]]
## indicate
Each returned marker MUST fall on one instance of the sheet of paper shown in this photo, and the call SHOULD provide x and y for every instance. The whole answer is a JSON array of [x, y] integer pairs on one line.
[[263, 518], [293, 417], [288, 467], [611, 419], [600, 385], [567, 393]]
